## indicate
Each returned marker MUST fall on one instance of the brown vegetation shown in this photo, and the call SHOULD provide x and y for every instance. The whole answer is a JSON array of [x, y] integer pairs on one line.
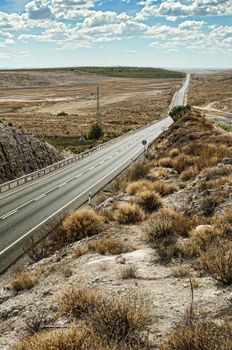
[[82, 223], [128, 213]]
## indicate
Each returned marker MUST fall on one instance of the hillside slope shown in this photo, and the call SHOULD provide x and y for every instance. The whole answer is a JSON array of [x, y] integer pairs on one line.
[[22, 153], [148, 266]]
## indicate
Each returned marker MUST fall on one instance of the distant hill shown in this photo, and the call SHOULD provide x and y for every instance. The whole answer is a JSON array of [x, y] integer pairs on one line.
[[131, 72]]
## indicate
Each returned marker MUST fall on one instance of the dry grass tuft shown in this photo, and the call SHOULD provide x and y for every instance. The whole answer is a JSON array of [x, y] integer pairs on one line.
[[138, 186], [82, 223], [72, 338], [189, 174], [164, 188], [149, 200], [129, 214], [77, 301], [128, 272], [166, 162], [217, 260], [174, 152], [181, 271], [22, 280], [183, 162], [199, 335], [79, 251], [121, 321], [137, 171], [108, 245]]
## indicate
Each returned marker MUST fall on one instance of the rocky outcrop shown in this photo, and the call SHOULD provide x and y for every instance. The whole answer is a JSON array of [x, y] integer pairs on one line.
[[22, 153]]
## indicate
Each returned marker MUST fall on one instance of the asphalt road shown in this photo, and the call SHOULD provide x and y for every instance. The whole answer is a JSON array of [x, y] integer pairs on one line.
[[29, 207]]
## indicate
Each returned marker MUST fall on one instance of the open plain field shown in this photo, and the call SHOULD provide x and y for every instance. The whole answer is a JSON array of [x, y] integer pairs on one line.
[[33, 100], [211, 93]]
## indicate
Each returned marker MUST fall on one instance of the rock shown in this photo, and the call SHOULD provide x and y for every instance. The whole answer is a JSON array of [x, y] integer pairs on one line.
[[202, 228], [21, 153]]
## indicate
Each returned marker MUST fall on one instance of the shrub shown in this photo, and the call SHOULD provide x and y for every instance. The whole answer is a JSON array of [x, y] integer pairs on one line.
[[178, 111], [138, 186], [128, 272], [137, 171], [205, 335], [201, 239], [82, 223], [164, 188], [166, 162], [188, 174], [95, 132], [105, 245], [22, 280], [209, 204], [168, 222], [182, 162], [67, 339], [77, 301], [174, 152], [149, 200], [217, 260], [121, 321], [129, 214], [181, 271]]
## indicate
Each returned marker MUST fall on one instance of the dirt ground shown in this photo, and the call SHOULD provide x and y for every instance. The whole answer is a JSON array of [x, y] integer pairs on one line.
[[212, 92], [32, 101]]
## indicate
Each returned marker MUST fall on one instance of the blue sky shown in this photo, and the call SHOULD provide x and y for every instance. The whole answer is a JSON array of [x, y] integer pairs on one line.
[[162, 33]]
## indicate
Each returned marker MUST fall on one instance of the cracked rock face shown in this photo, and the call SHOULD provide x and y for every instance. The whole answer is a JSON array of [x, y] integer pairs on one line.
[[22, 153]]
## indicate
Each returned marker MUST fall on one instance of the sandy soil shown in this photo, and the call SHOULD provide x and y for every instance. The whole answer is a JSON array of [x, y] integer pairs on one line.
[[32, 100]]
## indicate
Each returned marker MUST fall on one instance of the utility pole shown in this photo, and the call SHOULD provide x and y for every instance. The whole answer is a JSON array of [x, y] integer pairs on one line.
[[98, 106]]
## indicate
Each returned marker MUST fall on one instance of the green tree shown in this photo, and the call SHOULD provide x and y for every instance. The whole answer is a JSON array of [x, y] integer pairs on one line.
[[95, 132]]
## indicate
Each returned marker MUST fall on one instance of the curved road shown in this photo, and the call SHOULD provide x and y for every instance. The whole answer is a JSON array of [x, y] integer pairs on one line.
[[27, 211]]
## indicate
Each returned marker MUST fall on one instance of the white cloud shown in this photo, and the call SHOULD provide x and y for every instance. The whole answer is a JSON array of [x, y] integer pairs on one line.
[[172, 9]]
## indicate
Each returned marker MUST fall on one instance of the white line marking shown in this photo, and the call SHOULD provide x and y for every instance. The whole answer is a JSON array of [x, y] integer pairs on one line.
[[8, 214], [41, 196]]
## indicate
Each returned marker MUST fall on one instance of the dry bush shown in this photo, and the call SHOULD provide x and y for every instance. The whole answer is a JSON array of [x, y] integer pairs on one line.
[[217, 172], [166, 162], [149, 200], [201, 239], [210, 203], [164, 188], [129, 214], [211, 154], [79, 251], [223, 222], [217, 260], [189, 174], [72, 338], [22, 280], [174, 152], [36, 323], [119, 184], [138, 186], [66, 271], [77, 301], [201, 335], [181, 271], [121, 321], [82, 223], [127, 272], [168, 222], [183, 162], [137, 171], [108, 245]]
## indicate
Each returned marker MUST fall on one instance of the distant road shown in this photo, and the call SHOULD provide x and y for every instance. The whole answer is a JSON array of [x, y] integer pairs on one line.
[[28, 211]]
